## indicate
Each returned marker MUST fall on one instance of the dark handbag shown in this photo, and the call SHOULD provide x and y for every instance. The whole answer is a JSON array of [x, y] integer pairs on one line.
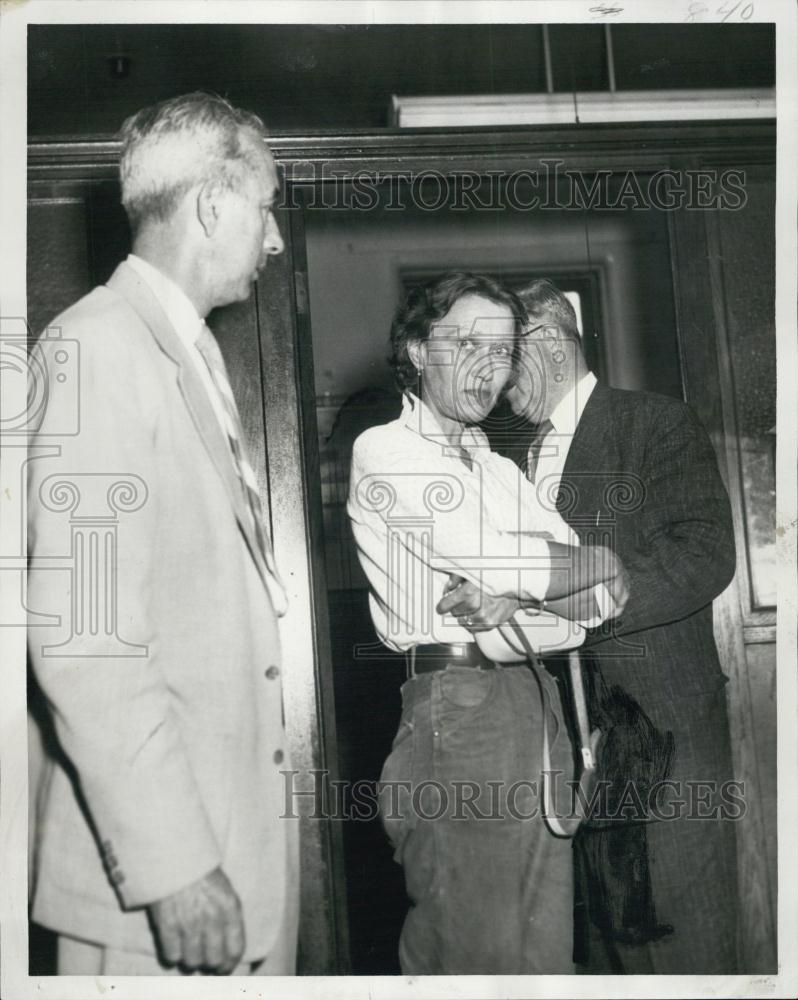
[[623, 757], [611, 847], [633, 755]]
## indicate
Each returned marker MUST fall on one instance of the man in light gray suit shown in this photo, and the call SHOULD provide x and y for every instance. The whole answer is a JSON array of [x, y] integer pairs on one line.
[[160, 843]]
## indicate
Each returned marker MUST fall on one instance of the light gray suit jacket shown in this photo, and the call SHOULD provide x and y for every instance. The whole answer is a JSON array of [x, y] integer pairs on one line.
[[164, 679]]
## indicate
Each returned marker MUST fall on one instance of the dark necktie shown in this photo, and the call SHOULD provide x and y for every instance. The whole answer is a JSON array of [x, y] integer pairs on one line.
[[535, 447]]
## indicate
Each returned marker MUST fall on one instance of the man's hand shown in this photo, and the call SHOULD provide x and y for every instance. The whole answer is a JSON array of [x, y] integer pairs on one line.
[[474, 609], [201, 926]]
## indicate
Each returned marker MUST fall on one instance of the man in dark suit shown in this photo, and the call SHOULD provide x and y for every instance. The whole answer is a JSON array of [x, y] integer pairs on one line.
[[638, 470]]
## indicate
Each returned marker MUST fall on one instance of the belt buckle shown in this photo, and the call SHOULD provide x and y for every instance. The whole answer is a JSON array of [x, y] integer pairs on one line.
[[466, 655]]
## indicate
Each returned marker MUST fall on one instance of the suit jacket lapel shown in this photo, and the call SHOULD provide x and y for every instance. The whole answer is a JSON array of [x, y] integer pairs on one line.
[[582, 487], [589, 440], [125, 282]]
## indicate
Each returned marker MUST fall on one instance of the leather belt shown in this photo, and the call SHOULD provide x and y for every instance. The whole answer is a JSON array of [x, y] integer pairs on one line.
[[429, 656]]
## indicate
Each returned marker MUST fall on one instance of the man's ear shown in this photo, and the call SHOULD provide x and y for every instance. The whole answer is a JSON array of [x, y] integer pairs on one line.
[[208, 206], [415, 350], [552, 333]]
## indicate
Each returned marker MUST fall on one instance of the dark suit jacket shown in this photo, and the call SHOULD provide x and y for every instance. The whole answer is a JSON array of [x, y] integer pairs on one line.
[[641, 476]]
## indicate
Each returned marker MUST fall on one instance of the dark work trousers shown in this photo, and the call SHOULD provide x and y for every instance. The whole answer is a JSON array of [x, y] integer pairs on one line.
[[490, 886]]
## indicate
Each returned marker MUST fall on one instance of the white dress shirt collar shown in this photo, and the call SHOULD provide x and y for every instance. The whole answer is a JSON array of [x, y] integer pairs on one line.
[[172, 299], [568, 412], [186, 322], [418, 417]]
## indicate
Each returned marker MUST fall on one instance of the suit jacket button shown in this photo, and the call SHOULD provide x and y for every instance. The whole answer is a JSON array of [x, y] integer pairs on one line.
[[117, 877], [272, 672], [278, 756]]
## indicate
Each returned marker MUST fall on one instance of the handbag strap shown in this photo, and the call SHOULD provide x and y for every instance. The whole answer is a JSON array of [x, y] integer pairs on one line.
[[559, 826], [580, 705]]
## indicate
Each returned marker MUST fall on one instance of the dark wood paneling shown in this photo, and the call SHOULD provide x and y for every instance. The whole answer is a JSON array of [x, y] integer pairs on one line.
[[58, 259], [742, 255], [236, 329], [406, 152]]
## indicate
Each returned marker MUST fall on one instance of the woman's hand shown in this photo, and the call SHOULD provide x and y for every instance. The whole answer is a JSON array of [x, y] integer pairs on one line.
[[474, 609]]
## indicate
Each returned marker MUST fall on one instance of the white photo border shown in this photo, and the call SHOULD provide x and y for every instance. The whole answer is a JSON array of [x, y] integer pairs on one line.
[[15, 16]]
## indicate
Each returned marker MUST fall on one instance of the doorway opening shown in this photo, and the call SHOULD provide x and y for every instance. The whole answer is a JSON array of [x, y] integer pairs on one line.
[[362, 256]]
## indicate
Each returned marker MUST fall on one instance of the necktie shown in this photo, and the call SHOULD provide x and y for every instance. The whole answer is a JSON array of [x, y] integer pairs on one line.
[[535, 447], [209, 349]]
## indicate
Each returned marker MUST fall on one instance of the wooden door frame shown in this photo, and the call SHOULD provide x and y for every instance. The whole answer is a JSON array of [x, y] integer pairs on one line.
[[310, 164], [704, 358]]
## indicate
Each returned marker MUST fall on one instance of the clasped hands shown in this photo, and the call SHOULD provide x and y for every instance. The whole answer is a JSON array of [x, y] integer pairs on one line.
[[474, 609], [478, 611]]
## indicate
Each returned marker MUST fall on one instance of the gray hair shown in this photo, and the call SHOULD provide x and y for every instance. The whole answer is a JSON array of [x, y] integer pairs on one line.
[[170, 147], [543, 296]]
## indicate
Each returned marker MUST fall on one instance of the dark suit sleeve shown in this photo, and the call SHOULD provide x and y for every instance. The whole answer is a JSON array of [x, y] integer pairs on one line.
[[682, 554]]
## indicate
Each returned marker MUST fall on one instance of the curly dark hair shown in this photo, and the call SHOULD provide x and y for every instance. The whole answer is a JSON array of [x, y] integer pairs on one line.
[[426, 304]]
